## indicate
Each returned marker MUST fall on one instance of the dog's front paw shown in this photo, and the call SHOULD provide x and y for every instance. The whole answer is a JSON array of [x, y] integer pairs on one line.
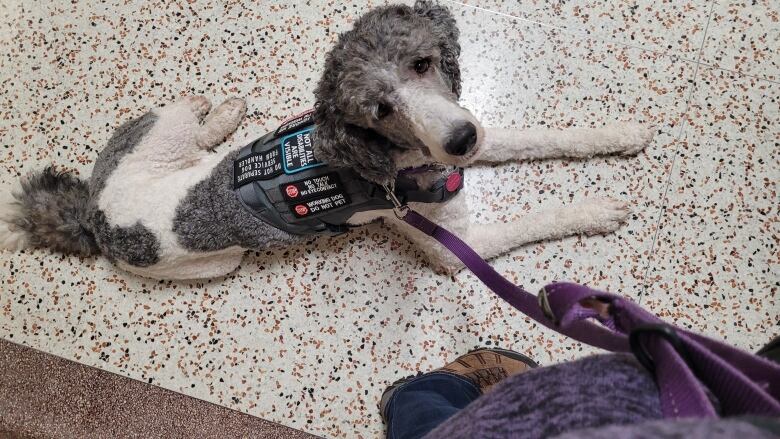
[[636, 138], [199, 105], [604, 215], [234, 109]]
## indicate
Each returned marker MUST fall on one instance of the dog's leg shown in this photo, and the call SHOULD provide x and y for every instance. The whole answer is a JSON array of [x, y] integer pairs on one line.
[[187, 111], [185, 129], [589, 217], [220, 123], [208, 265], [501, 145], [171, 143]]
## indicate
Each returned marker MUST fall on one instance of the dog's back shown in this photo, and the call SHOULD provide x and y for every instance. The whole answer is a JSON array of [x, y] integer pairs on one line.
[[128, 208], [62, 212]]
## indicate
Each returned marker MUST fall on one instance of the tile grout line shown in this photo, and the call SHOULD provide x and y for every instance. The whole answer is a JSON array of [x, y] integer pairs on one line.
[[578, 32], [605, 39], [510, 16], [665, 198], [737, 72]]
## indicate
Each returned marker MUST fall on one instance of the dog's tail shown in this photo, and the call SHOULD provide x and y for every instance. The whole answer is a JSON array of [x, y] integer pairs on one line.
[[49, 209]]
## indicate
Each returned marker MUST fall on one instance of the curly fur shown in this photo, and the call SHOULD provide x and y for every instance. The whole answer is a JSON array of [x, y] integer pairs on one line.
[[52, 210], [122, 142], [160, 203], [355, 76], [211, 218], [445, 31], [135, 245]]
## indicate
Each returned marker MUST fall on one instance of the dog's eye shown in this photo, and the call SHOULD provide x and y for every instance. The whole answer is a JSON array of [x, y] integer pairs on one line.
[[422, 65], [383, 110]]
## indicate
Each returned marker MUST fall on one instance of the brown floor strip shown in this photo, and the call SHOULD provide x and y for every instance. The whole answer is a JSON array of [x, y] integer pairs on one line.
[[46, 396]]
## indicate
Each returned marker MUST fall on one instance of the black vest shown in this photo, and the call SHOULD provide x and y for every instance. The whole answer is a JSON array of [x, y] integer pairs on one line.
[[279, 180]]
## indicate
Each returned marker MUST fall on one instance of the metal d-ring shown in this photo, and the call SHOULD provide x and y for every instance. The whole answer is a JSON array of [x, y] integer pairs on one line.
[[544, 305], [399, 208]]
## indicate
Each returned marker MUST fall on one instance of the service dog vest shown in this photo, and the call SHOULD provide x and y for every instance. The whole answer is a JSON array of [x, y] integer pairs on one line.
[[280, 180]]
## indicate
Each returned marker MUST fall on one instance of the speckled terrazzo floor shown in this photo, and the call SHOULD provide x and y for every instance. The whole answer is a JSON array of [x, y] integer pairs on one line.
[[310, 337]]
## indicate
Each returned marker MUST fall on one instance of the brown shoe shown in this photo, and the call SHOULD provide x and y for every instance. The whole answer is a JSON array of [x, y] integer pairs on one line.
[[486, 367], [483, 367]]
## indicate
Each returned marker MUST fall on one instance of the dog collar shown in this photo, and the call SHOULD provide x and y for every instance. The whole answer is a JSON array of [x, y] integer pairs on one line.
[[280, 180]]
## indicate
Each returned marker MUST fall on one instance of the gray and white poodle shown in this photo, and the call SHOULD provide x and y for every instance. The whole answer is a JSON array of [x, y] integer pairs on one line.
[[161, 203]]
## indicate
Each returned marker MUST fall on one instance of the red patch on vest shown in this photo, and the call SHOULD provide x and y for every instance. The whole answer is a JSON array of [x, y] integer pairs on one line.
[[301, 210], [453, 182]]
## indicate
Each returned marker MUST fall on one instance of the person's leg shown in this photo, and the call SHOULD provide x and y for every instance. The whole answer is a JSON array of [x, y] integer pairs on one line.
[[414, 406], [592, 392], [421, 404]]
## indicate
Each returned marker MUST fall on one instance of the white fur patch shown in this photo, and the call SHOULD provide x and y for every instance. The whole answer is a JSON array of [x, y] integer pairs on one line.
[[434, 116], [502, 145], [192, 265], [149, 183], [11, 238]]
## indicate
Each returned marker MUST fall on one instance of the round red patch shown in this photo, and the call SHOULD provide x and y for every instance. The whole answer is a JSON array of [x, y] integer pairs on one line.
[[453, 182], [291, 190], [301, 210]]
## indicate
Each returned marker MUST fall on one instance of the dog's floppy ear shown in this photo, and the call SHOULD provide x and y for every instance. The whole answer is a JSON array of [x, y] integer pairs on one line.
[[342, 144], [447, 31]]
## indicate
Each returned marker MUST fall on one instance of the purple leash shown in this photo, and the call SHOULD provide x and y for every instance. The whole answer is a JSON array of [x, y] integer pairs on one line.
[[686, 365]]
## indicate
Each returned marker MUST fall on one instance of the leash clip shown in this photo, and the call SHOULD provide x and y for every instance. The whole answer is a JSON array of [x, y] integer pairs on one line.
[[544, 305], [398, 208]]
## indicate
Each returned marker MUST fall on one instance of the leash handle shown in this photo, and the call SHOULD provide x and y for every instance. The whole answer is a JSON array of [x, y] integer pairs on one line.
[[744, 383]]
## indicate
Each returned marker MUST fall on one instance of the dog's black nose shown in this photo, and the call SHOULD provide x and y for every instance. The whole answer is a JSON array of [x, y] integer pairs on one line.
[[462, 140]]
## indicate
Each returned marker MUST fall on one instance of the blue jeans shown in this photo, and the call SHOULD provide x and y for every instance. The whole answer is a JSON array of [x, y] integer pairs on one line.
[[420, 405]]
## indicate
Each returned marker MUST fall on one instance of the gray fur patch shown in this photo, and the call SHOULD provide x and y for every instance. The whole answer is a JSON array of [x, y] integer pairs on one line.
[[135, 245], [54, 212], [121, 143], [58, 210], [354, 81], [211, 217]]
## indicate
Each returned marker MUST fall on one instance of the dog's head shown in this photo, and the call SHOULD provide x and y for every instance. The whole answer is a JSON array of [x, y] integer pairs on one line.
[[389, 94]]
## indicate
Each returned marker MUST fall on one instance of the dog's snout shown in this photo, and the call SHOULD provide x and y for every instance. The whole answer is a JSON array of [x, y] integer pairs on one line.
[[462, 140]]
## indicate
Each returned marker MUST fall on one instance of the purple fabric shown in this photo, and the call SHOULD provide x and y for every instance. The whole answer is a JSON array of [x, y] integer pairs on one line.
[[687, 428], [744, 383], [602, 396], [749, 385]]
